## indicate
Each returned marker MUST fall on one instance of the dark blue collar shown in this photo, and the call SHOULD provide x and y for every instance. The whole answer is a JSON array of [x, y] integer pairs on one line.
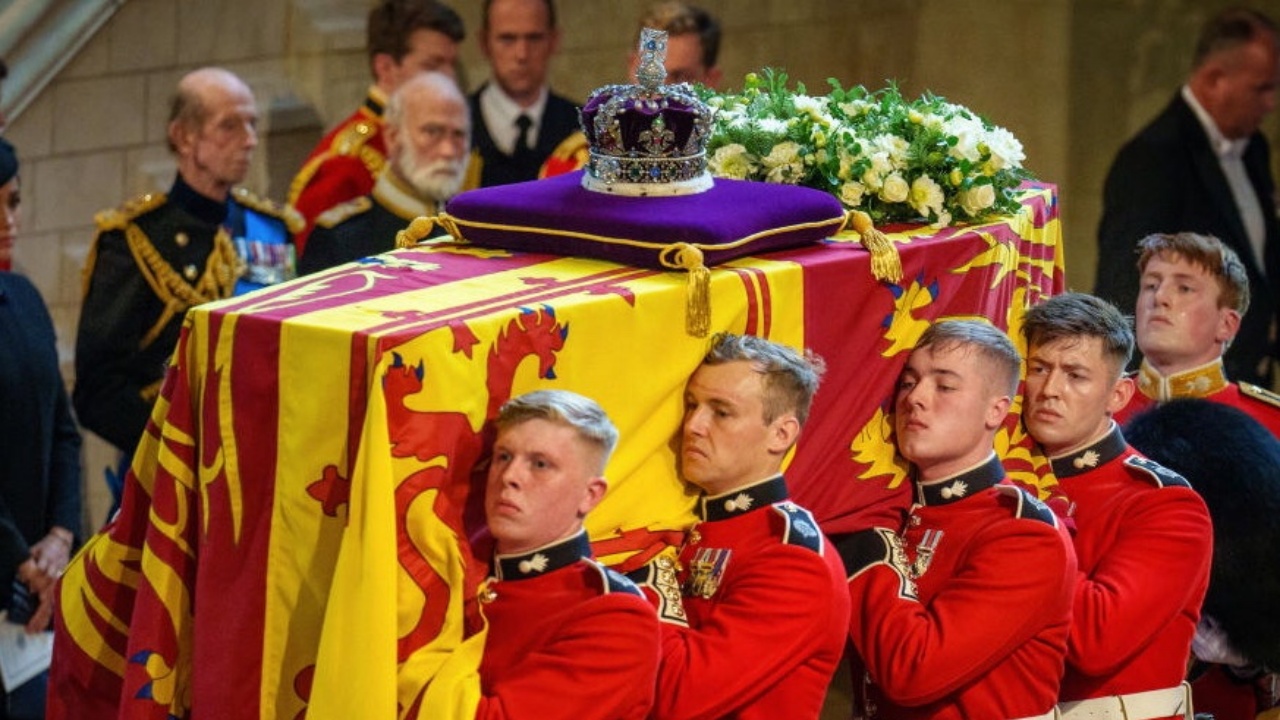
[[1107, 448], [741, 500], [543, 560], [958, 487], [202, 207]]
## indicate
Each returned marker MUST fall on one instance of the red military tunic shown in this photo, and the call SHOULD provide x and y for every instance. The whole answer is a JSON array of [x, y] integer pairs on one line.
[[1144, 544], [568, 638], [767, 610], [343, 166], [966, 613], [1208, 382]]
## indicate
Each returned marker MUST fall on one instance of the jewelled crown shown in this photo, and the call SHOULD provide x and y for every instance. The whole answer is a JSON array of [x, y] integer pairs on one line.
[[650, 138]]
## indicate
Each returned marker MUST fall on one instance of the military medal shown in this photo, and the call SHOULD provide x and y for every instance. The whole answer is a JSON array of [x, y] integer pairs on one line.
[[924, 553], [705, 571]]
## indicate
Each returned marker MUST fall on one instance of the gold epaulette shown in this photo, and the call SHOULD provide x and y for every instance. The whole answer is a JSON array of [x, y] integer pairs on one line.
[[286, 213], [353, 137], [1260, 394], [351, 142], [344, 211], [119, 218]]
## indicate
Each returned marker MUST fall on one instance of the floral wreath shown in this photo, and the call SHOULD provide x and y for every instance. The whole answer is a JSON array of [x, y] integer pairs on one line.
[[893, 158]]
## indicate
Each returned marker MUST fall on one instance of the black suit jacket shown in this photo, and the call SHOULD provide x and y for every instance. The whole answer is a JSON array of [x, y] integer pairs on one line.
[[1167, 179], [559, 121]]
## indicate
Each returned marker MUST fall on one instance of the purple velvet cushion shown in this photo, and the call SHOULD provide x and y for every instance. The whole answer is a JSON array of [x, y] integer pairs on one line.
[[557, 215]]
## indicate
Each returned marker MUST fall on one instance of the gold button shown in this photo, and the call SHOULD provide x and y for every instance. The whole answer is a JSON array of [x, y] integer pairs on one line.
[[182, 239]]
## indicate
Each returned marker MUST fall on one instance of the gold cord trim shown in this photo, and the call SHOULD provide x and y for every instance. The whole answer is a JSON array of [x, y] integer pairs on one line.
[[420, 227], [222, 269], [834, 224]]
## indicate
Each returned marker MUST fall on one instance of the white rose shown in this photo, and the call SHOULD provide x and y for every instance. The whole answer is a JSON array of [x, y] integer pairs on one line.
[[783, 164], [976, 199], [895, 189], [851, 194], [731, 161]]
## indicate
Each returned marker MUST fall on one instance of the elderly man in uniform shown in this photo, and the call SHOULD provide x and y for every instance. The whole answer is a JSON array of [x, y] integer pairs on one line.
[[1195, 290], [404, 38], [1143, 539], [568, 638], [755, 617], [164, 252], [428, 133], [964, 612]]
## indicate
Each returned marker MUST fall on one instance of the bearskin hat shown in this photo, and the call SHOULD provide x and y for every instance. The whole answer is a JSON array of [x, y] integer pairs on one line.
[[1234, 463]]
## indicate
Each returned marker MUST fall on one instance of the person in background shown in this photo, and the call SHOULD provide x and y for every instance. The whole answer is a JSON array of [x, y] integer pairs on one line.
[[754, 617], [522, 130], [693, 43], [568, 638], [963, 612], [404, 38], [1143, 538], [39, 454], [1195, 290], [1202, 166], [162, 253], [428, 134], [4, 74]]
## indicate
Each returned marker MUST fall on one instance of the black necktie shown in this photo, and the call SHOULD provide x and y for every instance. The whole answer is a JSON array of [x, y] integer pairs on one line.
[[522, 140]]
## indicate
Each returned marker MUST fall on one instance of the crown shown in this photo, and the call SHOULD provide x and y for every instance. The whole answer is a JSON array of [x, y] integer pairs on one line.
[[647, 139]]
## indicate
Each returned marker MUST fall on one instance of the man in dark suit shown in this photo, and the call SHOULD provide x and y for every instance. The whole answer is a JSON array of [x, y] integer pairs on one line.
[[522, 131], [1203, 166]]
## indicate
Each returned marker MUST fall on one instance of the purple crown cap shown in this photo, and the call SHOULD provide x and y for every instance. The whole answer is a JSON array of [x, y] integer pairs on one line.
[[650, 138]]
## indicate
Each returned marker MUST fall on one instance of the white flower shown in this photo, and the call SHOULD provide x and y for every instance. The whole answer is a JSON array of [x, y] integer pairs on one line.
[[1006, 151], [970, 136], [976, 199], [815, 108], [895, 189], [731, 161], [783, 163], [926, 196], [773, 126], [851, 194], [894, 148]]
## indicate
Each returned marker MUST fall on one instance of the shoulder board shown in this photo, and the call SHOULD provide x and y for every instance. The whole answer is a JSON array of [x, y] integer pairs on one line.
[[342, 212], [354, 136], [1028, 506], [285, 213], [119, 218], [616, 582], [800, 527], [1260, 394], [1163, 476]]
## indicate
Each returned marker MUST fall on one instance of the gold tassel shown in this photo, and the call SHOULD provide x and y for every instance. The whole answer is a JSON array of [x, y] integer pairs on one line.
[[422, 226], [885, 263], [697, 317]]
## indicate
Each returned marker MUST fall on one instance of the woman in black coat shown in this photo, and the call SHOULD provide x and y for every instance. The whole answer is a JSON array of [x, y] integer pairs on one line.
[[39, 453]]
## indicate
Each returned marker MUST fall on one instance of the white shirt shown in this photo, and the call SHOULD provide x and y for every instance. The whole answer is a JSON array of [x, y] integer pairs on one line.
[[500, 112], [1231, 159]]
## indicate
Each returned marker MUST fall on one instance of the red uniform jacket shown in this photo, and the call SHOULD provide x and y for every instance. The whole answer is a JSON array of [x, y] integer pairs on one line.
[[1144, 543], [970, 619], [767, 610], [568, 638], [1208, 382], [343, 166]]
